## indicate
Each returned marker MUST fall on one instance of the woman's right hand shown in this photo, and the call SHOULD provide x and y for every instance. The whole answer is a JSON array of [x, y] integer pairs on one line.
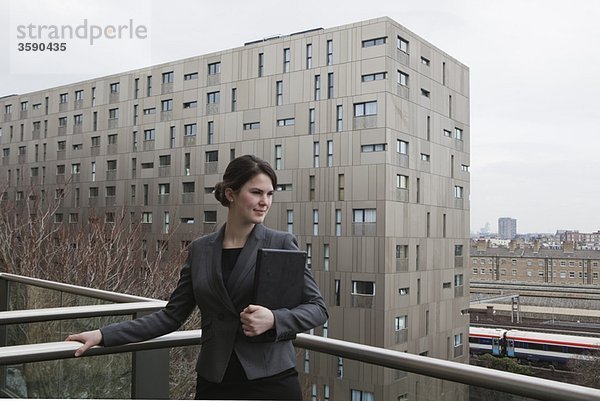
[[87, 338]]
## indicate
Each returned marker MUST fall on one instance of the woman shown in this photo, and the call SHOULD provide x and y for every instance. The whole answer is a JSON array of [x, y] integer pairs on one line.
[[217, 277]]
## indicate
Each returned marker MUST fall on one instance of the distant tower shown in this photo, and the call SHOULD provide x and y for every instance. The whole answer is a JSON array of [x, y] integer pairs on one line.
[[507, 227]]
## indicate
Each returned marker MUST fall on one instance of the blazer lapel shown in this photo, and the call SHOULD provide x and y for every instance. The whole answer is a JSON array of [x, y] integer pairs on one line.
[[215, 270], [246, 262]]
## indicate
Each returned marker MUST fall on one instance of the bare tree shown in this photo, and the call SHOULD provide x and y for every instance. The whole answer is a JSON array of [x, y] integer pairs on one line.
[[96, 253]]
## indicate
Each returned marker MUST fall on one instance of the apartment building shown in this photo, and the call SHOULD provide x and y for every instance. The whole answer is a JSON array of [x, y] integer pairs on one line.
[[367, 126], [507, 228], [535, 264]]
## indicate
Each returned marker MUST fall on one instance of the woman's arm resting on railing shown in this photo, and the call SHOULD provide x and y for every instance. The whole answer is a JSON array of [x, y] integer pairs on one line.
[[87, 338]]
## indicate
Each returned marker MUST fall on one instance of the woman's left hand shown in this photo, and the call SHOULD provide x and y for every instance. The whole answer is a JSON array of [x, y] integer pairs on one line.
[[256, 320]]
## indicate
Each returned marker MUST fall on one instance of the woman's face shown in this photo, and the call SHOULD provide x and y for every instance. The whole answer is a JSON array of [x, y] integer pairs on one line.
[[252, 202]]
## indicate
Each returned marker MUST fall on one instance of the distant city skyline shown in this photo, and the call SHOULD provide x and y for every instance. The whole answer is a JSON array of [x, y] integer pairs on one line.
[[534, 103]]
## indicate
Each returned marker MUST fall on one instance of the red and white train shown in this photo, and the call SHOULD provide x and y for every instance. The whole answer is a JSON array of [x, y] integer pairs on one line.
[[556, 349]]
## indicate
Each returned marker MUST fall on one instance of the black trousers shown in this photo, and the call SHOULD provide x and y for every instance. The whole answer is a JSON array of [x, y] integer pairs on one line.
[[236, 386]]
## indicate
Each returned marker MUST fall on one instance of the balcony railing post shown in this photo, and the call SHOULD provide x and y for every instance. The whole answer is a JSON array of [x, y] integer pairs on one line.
[[3, 307], [150, 373]]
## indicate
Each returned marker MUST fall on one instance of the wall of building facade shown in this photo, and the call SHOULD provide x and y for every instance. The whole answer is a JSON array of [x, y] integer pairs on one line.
[[368, 128]]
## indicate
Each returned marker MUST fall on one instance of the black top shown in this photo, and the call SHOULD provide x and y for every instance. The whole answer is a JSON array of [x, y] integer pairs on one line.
[[228, 258]]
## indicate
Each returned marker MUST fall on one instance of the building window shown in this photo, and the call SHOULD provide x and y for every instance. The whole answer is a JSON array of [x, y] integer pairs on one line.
[[317, 87], [234, 99], [279, 93], [284, 122], [402, 44], [365, 109], [167, 105], [364, 215], [401, 251], [341, 187], [378, 147], [458, 340], [212, 97], [308, 56], [212, 156], [330, 85], [112, 139], [424, 61], [374, 42], [338, 222], [458, 134], [149, 134], [278, 157], [373, 77], [147, 217], [93, 192], [210, 216], [316, 153], [425, 92], [210, 132], [115, 87], [164, 189], [189, 187], [191, 76], [425, 157], [404, 291], [339, 126], [164, 160], [286, 60], [402, 147], [329, 52], [111, 191], [402, 78], [401, 181], [149, 110], [311, 187], [76, 168], [214, 68], [400, 322], [363, 288], [113, 114], [190, 129], [62, 121], [315, 221], [290, 221], [458, 192], [249, 126], [311, 121], [329, 153], [186, 164], [167, 77], [447, 133], [172, 137], [309, 255], [261, 64]]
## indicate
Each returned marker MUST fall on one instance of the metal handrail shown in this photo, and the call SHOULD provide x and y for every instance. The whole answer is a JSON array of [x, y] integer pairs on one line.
[[507, 382], [78, 312], [74, 289], [458, 372], [17, 354], [447, 370]]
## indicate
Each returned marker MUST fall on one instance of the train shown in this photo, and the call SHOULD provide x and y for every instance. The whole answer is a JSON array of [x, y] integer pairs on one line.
[[535, 347]]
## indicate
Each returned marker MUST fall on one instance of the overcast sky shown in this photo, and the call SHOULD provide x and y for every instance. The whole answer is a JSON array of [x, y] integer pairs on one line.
[[535, 78]]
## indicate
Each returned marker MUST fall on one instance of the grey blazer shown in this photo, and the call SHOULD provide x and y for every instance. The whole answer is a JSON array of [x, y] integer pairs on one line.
[[201, 284]]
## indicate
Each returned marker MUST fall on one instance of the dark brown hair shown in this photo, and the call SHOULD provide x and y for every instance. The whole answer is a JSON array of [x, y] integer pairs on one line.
[[239, 171]]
